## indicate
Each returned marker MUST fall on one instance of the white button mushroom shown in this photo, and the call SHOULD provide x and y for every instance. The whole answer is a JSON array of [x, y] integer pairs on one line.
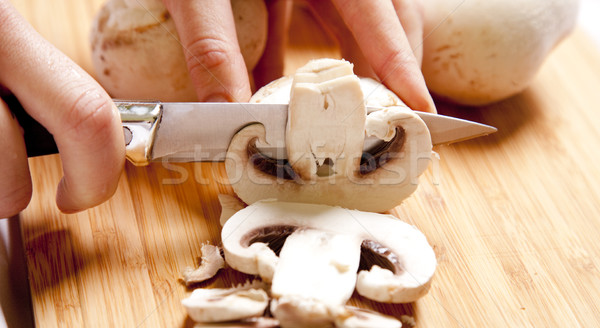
[[327, 125], [137, 54], [478, 52]]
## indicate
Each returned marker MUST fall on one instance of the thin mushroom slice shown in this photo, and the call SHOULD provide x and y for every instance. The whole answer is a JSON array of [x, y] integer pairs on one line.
[[210, 263], [219, 305], [257, 322], [327, 125], [324, 241], [229, 206], [363, 318]]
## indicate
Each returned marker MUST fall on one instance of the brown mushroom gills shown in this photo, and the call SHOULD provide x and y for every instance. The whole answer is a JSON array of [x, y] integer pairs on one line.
[[372, 252], [371, 159]]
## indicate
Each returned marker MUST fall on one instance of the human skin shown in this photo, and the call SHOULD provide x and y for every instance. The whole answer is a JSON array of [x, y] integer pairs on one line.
[[71, 105]]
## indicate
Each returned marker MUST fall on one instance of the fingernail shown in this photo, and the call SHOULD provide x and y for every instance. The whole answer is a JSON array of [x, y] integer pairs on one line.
[[217, 97]]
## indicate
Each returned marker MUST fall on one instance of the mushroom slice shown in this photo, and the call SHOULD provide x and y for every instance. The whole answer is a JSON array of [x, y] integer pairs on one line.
[[363, 318], [326, 164], [219, 305], [210, 263], [257, 322], [229, 206], [319, 264]]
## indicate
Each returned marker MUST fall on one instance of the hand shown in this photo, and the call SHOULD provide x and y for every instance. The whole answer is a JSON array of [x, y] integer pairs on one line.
[[207, 33], [383, 39], [71, 105]]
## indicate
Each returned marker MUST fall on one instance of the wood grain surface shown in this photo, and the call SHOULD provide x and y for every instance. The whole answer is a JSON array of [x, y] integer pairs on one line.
[[514, 218]]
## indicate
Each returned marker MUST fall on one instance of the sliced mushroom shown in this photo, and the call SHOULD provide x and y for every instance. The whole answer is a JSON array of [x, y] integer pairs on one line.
[[259, 322], [327, 125], [210, 263], [229, 206], [316, 272], [219, 305], [362, 318]]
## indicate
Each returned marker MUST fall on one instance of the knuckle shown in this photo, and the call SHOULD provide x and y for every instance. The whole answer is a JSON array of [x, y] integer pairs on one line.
[[89, 115], [207, 53], [396, 60], [14, 198]]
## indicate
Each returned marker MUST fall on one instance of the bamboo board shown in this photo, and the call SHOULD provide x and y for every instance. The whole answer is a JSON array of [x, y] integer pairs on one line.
[[513, 217]]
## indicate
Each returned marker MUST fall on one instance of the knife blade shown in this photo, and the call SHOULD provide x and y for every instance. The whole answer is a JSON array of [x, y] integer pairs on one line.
[[184, 132], [188, 132]]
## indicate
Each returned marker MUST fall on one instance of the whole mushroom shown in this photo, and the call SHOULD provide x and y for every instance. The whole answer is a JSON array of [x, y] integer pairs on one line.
[[326, 129], [137, 54], [479, 52], [311, 253]]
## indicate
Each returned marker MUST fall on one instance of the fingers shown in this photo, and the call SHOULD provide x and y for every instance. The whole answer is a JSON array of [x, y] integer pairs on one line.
[[329, 18], [71, 105], [270, 67], [381, 38], [15, 182], [207, 32], [410, 13]]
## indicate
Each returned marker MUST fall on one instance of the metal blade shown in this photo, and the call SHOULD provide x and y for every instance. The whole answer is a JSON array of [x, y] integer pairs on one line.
[[191, 132], [447, 129]]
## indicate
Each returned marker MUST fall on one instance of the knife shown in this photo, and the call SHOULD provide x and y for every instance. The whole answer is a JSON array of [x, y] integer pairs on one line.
[[192, 132]]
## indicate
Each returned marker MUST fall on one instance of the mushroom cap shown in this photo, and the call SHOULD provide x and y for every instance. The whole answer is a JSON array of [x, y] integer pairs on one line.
[[478, 52], [137, 54], [407, 255]]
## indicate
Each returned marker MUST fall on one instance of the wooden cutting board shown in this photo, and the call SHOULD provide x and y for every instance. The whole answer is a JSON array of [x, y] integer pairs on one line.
[[514, 218]]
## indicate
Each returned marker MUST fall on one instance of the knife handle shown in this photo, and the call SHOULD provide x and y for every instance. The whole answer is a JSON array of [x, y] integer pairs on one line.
[[38, 141], [140, 121]]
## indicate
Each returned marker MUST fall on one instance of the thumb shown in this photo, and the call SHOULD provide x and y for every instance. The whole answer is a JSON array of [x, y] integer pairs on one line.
[[215, 63]]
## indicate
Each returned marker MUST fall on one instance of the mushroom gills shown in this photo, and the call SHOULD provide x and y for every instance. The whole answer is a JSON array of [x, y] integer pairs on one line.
[[273, 236], [372, 158], [374, 253]]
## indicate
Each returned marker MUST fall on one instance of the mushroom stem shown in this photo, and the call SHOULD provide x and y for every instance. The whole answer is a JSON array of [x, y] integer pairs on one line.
[[315, 276], [326, 120]]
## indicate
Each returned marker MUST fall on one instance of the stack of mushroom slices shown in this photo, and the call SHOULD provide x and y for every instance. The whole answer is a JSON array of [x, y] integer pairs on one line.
[[311, 234]]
